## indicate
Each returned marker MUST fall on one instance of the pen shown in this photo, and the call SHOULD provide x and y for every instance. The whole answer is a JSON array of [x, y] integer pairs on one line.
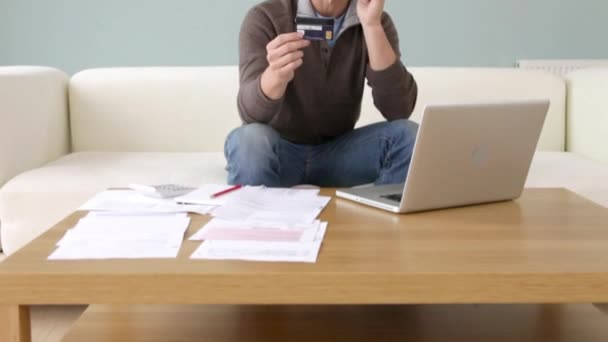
[[223, 192]]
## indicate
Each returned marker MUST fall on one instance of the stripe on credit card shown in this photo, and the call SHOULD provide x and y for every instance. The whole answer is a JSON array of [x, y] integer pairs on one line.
[[310, 27]]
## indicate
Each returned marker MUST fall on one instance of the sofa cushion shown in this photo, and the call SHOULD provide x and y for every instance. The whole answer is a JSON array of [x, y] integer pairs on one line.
[[193, 109], [584, 176], [451, 85], [153, 109], [33, 118], [36, 200], [588, 113]]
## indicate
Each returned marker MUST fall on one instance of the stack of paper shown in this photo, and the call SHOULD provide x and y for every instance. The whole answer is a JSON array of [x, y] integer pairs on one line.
[[259, 251], [122, 236], [252, 223], [219, 229], [259, 203], [262, 224], [273, 205]]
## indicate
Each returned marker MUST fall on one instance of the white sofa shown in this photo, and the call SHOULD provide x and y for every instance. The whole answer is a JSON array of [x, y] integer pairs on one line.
[[62, 140]]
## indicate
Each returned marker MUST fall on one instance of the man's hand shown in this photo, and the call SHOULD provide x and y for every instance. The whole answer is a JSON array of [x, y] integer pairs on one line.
[[370, 12], [381, 53], [284, 56]]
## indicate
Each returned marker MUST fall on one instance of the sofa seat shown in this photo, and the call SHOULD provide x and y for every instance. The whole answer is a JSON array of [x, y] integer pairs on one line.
[[583, 176], [36, 200]]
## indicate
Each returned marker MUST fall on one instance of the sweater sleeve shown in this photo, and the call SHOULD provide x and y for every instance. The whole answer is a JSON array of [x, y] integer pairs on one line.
[[394, 89], [253, 105]]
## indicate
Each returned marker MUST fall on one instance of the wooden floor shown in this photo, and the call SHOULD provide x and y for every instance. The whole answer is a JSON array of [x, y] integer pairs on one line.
[[51, 323], [433, 323]]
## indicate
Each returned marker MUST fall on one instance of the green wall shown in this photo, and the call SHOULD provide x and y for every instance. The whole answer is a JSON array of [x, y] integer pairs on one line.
[[77, 34]]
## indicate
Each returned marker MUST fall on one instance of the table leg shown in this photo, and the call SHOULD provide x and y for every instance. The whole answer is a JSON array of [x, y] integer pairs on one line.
[[15, 323], [603, 307]]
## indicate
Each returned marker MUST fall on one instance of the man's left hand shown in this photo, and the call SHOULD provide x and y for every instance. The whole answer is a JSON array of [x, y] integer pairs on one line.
[[370, 12]]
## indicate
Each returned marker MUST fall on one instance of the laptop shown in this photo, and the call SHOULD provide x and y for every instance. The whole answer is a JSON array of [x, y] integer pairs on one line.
[[465, 154]]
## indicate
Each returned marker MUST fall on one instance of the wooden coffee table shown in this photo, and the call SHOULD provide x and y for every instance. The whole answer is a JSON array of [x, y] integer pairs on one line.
[[550, 246]]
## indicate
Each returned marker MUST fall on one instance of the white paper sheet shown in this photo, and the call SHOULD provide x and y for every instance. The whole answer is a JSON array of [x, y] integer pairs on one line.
[[123, 237], [273, 205], [130, 201], [203, 195], [258, 251], [218, 229], [306, 252], [121, 214], [100, 250]]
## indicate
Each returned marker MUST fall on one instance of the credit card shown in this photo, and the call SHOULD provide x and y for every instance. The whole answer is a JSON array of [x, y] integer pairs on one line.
[[315, 28]]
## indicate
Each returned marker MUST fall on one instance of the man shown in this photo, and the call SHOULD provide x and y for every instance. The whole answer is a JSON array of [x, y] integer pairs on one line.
[[300, 99]]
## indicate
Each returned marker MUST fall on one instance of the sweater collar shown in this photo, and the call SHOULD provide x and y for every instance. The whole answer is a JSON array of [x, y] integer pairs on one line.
[[351, 18]]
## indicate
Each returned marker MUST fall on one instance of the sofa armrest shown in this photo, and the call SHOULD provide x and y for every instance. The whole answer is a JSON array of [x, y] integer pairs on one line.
[[33, 118], [587, 132]]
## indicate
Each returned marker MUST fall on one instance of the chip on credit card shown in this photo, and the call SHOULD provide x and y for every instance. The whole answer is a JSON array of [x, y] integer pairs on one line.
[[315, 28]]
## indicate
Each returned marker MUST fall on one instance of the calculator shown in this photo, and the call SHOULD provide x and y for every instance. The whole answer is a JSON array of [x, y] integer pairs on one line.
[[162, 190]]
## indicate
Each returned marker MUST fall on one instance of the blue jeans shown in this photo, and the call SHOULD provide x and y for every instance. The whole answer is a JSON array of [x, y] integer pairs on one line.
[[379, 153]]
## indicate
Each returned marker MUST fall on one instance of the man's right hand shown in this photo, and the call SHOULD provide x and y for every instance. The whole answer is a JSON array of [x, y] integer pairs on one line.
[[284, 56]]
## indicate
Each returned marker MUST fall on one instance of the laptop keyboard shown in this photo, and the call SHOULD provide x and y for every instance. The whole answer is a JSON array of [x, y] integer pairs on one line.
[[395, 197]]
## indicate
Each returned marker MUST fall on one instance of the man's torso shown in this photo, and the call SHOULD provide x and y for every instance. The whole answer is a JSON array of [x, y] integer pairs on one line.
[[324, 98]]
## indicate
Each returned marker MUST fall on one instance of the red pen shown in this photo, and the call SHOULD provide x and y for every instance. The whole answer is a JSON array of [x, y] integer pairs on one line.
[[223, 192]]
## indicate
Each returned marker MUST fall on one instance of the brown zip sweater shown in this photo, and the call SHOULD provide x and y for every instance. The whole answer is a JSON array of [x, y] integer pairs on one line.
[[324, 99]]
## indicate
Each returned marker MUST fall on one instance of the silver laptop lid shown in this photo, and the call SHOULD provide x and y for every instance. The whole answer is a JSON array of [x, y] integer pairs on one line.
[[470, 154]]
